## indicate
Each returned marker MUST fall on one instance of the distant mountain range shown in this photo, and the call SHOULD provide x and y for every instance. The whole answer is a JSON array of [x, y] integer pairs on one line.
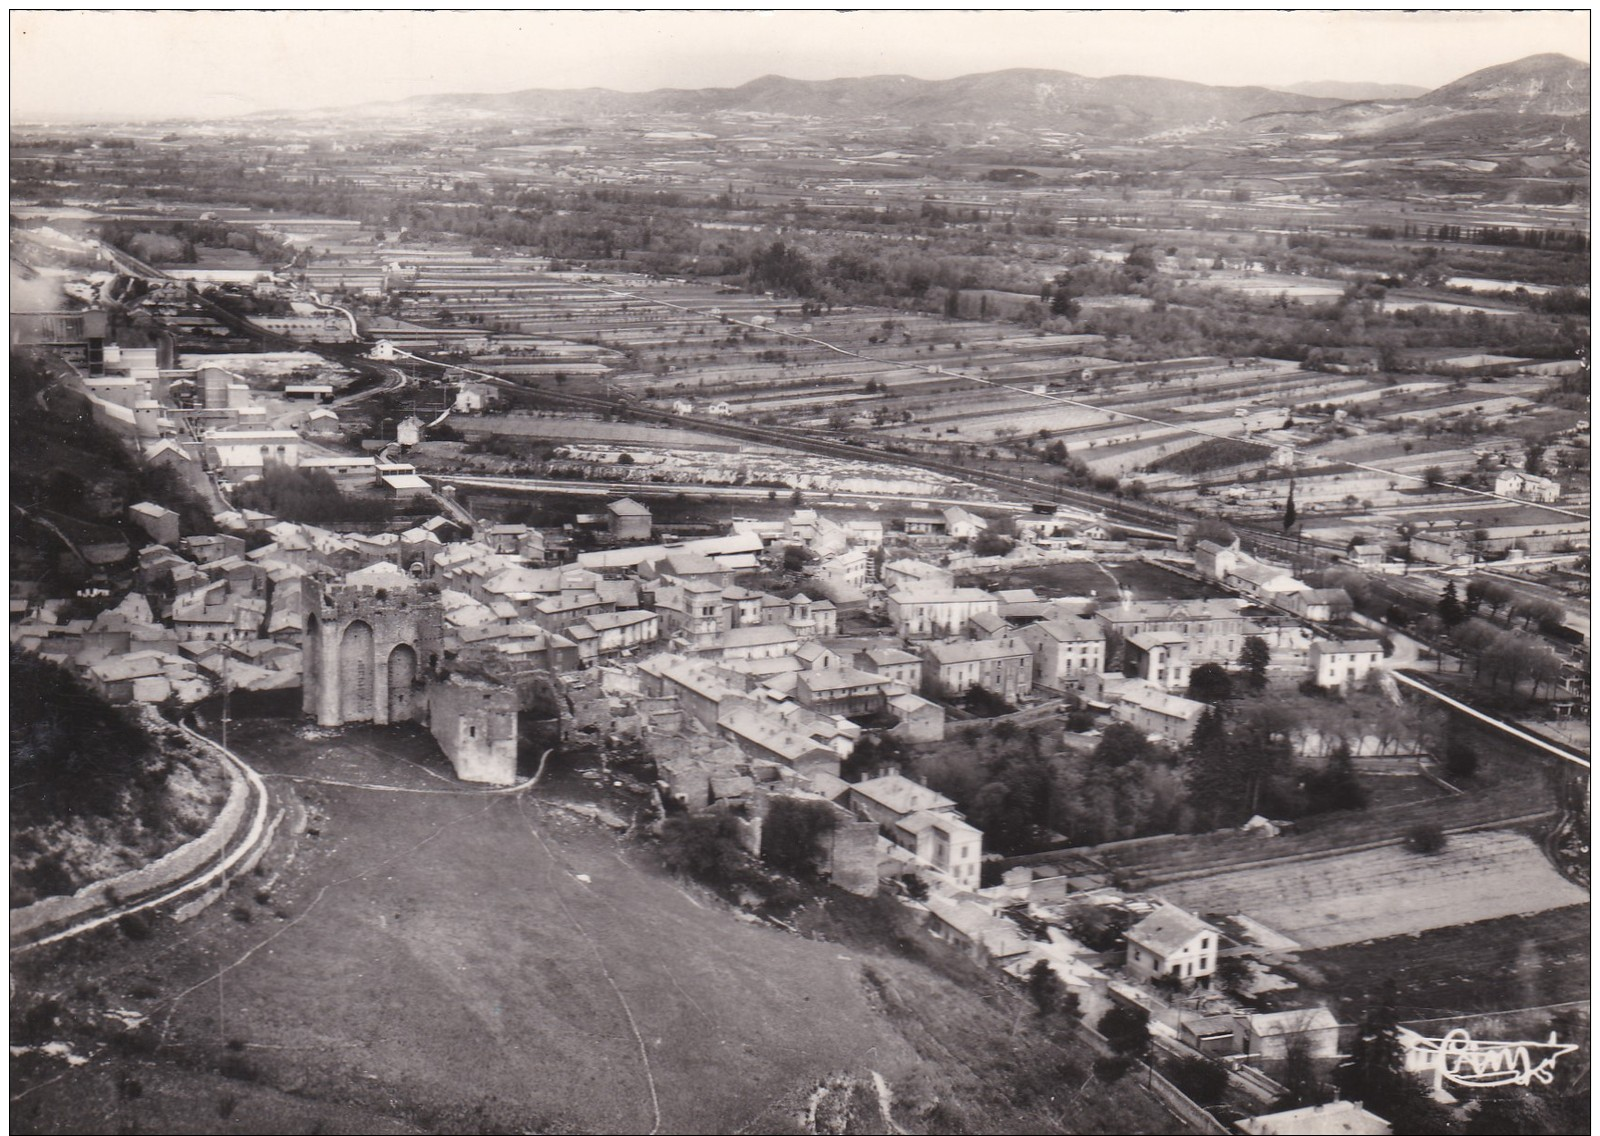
[[1122, 107], [1532, 94]]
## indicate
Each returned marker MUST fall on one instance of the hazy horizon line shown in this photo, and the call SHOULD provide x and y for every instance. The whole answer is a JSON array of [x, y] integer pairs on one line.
[[99, 119]]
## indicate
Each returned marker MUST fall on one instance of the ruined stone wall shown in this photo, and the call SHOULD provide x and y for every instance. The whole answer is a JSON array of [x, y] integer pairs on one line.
[[849, 851], [853, 855], [475, 724]]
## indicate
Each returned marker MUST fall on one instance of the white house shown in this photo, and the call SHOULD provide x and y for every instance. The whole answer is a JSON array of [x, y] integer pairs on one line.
[[1154, 712], [961, 524], [1527, 487], [923, 822], [1336, 664], [1160, 658], [1171, 941]]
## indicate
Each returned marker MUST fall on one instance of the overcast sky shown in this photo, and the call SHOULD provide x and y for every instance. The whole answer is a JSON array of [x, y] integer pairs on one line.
[[210, 64]]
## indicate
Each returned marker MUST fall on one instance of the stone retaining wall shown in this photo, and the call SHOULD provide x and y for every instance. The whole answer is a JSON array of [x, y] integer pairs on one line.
[[181, 862]]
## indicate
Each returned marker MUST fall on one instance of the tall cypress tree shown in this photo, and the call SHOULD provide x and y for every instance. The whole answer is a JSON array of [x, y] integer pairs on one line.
[[1451, 613], [1289, 514], [1375, 1072], [1211, 771]]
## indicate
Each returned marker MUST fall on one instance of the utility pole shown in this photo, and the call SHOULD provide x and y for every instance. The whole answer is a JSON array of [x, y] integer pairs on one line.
[[225, 699]]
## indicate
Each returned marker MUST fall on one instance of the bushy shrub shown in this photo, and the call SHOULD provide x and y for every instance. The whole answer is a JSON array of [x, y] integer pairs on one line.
[[1201, 1079], [1460, 759], [1425, 839], [704, 846], [72, 752], [791, 835], [1127, 1028]]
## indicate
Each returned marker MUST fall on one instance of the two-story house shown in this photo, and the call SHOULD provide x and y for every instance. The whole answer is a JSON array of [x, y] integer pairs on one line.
[[1170, 941], [924, 823], [1335, 664], [1160, 658], [842, 690], [901, 666]]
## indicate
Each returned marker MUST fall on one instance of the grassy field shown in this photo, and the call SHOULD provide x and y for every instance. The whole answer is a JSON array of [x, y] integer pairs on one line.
[[449, 961], [1214, 453], [1146, 581], [1498, 964]]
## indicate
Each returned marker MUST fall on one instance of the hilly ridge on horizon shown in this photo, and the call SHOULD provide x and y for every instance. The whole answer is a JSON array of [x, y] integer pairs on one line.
[[1539, 91], [1125, 106], [1022, 97]]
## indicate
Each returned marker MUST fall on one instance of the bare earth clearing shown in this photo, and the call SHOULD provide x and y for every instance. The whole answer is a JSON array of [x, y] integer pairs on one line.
[[1388, 891]]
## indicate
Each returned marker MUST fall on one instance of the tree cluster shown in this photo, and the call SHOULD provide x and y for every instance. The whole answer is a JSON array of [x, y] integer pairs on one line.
[[1241, 761], [308, 495], [72, 752], [792, 834]]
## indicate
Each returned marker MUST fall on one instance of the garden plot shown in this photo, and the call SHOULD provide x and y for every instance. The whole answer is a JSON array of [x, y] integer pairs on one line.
[[1422, 303], [1357, 896], [1268, 284], [1478, 406], [1298, 388], [1390, 448]]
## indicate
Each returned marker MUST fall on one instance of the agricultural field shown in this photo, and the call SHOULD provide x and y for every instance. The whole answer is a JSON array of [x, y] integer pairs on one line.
[[1388, 891]]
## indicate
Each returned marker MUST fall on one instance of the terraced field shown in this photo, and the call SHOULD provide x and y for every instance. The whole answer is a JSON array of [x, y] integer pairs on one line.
[[1388, 891]]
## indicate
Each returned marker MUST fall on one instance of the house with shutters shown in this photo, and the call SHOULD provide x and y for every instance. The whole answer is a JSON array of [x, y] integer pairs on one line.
[[1160, 658], [933, 612], [842, 690], [901, 666], [1003, 666]]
